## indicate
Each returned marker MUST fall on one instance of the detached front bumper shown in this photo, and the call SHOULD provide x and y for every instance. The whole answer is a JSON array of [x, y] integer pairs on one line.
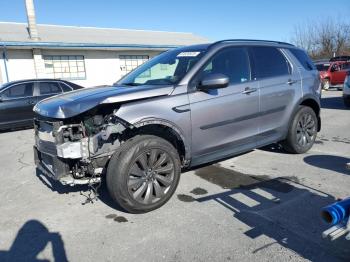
[[57, 159], [50, 165], [57, 169]]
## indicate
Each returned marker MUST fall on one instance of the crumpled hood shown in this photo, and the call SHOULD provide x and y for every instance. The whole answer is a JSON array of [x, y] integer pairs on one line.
[[76, 102]]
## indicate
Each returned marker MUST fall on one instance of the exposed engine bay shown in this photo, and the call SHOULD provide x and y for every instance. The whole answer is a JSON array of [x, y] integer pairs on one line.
[[75, 150]]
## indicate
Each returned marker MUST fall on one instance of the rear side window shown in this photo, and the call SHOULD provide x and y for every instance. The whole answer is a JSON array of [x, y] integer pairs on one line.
[[269, 62], [18, 91], [47, 88], [303, 59]]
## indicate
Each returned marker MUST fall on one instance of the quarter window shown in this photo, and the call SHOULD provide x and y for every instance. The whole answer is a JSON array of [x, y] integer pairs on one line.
[[65, 66], [232, 62], [304, 59], [18, 91], [65, 88], [269, 62], [47, 88]]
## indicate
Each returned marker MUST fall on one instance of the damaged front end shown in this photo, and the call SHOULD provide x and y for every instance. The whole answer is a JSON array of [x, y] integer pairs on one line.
[[76, 150]]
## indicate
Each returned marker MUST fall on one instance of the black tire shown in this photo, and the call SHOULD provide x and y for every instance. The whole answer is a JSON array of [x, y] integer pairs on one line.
[[143, 174], [346, 101], [302, 131]]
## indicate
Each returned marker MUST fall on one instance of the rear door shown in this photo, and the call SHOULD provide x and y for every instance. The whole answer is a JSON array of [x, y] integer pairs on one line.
[[16, 105], [224, 121], [278, 83]]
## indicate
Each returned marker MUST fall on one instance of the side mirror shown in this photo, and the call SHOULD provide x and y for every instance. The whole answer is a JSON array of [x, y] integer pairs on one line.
[[213, 81]]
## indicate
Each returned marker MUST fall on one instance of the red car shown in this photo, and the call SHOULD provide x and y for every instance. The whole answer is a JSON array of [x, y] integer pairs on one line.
[[333, 73]]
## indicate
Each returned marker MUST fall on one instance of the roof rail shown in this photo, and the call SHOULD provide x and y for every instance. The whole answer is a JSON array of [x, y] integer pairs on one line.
[[248, 40]]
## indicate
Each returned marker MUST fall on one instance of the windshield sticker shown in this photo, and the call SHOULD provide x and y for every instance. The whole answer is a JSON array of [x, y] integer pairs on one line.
[[188, 54]]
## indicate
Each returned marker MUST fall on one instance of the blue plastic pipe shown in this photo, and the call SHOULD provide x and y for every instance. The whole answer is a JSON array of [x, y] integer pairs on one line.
[[337, 212]]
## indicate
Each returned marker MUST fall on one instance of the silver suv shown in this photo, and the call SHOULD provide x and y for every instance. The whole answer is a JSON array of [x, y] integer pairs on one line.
[[185, 107]]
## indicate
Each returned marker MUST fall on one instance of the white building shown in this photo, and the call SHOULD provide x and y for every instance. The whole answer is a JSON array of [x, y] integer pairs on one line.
[[84, 55]]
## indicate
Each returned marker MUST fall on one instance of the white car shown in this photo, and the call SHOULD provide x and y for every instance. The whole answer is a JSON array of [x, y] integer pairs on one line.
[[346, 90]]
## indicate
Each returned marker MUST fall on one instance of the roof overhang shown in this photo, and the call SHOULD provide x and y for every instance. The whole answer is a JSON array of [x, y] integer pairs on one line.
[[89, 46]]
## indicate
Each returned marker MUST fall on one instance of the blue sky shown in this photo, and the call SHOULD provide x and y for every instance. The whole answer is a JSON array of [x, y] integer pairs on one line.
[[214, 19]]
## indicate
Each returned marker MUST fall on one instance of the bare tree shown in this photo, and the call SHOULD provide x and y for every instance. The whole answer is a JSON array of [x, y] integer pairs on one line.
[[323, 39]]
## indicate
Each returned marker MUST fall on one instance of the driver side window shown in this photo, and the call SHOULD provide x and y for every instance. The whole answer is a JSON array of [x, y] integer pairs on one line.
[[18, 91], [232, 62]]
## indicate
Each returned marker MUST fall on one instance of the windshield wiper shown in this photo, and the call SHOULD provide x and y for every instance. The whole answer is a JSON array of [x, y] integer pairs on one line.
[[130, 84]]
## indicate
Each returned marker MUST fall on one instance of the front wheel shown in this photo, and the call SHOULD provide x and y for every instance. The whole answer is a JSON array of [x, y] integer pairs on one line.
[[302, 131], [326, 84], [144, 174]]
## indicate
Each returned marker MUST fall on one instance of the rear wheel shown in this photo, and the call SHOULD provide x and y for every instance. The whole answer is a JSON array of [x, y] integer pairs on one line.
[[302, 131], [144, 175]]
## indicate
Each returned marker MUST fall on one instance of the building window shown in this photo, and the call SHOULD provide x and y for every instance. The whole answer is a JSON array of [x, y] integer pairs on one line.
[[130, 62], [70, 67]]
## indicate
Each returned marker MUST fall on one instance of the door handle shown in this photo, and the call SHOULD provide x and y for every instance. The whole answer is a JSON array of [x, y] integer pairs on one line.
[[249, 90], [31, 102], [291, 82]]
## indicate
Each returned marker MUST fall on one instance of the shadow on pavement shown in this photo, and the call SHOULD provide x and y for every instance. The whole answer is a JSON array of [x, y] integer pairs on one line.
[[333, 103], [84, 190], [56, 186], [287, 212], [329, 162], [14, 129], [274, 148], [32, 239]]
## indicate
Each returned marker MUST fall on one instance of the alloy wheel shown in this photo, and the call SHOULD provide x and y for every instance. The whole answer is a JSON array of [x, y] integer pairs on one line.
[[150, 176], [306, 130]]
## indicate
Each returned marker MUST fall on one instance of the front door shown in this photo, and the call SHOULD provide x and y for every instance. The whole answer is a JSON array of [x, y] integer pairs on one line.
[[224, 121], [16, 105]]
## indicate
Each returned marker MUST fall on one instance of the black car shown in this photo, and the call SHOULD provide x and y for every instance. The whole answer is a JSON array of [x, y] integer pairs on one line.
[[18, 98]]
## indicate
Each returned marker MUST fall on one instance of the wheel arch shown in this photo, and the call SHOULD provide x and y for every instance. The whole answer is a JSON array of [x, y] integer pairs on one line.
[[315, 106], [166, 130], [311, 102]]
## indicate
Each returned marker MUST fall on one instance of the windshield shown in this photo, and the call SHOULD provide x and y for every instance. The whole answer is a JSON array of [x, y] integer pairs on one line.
[[322, 67], [167, 68]]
